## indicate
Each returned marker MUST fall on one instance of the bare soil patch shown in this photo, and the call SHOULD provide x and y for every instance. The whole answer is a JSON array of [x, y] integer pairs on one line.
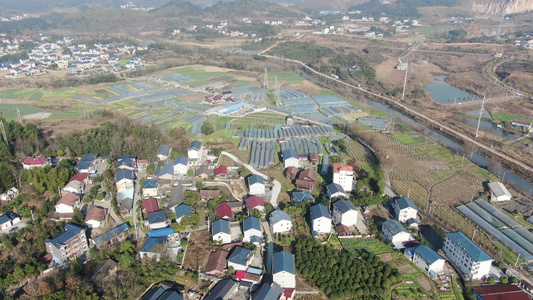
[[62, 107], [457, 189], [198, 251], [425, 283], [406, 269], [385, 257]]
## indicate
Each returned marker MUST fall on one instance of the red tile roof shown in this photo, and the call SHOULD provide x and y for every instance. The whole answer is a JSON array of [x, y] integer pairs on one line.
[[221, 170], [340, 167], [79, 177], [96, 213], [309, 175], [35, 161], [254, 201], [150, 205], [501, 292], [68, 199], [288, 292], [224, 211]]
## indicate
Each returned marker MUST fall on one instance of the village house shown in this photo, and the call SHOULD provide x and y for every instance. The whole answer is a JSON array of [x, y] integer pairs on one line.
[[467, 256], [209, 194], [255, 202], [299, 196], [8, 219], [124, 179], [149, 205], [166, 172], [290, 158], [95, 217], [313, 158], [181, 211], [426, 259], [203, 172], [181, 166], [69, 244], [345, 213], [75, 186], [269, 291], [10, 194], [221, 172], [113, 236], [501, 292], [66, 205], [224, 211], [284, 272], [163, 153], [223, 290], [291, 172], [498, 192], [221, 231], [256, 185], [307, 180], [126, 162], [405, 209], [36, 162], [335, 190], [157, 219], [216, 263], [344, 176], [194, 152], [86, 163], [395, 233], [240, 258], [152, 248], [252, 231], [280, 221], [320, 219], [150, 189]]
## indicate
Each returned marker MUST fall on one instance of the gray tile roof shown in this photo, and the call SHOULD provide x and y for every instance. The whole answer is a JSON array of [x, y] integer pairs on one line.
[[344, 206], [404, 202], [124, 174], [427, 254], [164, 150], [334, 188], [240, 256], [318, 211], [394, 226], [279, 215], [157, 217]]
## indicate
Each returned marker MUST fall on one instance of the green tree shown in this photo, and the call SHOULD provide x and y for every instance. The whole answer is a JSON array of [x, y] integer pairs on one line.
[[207, 128], [504, 279]]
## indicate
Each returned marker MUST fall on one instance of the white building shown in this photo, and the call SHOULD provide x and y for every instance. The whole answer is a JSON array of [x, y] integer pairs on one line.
[[221, 231], [195, 152], [67, 203], [335, 190], [280, 222], [428, 260], [181, 166], [240, 258], [395, 233], [405, 209], [284, 273], [75, 186], [8, 219], [320, 219], [256, 185], [498, 192], [466, 255], [344, 176], [252, 231], [345, 213], [290, 158], [163, 152]]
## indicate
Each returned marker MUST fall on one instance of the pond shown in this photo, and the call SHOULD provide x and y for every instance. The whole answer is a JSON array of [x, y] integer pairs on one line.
[[488, 127], [442, 92], [433, 235]]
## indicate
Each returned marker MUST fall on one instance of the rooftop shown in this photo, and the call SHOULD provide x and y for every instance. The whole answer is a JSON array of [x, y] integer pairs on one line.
[[68, 199], [289, 153], [254, 201], [501, 292], [150, 184], [404, 202], [251, 223], [240, 256], [318, 211], [124, 174], [221, 170], [157, 217], [217, 261], [428, 254], [111, 233], [183, 210], [150, 205], [279, 215], [468, 246], [337, 168], [151, 242], [394, 226], [196, 145], [283, 261], [224, 210], [498, 189], [300, 196], [71, 231], [334, 188], [344, 206], [253, 179], [96, 214], [181, 161], [221, 225], [164, 150]]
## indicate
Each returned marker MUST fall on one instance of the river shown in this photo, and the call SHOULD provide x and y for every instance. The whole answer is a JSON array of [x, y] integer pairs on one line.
[[442, 92], [508, 176], [489, 127]]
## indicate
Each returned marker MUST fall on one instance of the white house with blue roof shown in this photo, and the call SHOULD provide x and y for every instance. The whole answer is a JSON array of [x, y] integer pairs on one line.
[[126, 162], [221, 231], [405, 209], [153, 247], [252, 231], [165, 172], [395, 233], [240, 258], [150, 189], [299, 196], [67, 245], [163, 152], [124, 179], [280, 221], [428, 260], [8, 219], [345, 213], [290, 158], [284, 272], [320, 219], [181, 211], [334, 190], [181, 165], [194, 152], [256, 185], [157, 219], [466, 255]]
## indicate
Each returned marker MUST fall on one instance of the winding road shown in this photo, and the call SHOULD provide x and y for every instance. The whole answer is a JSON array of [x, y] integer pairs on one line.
[[276, 189]]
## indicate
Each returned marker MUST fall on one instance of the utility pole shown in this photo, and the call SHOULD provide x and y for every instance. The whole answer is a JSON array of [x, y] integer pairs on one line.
[[3, 132], [518, 258], [405, 81], [19, 116], [480, 113], [265, 80]]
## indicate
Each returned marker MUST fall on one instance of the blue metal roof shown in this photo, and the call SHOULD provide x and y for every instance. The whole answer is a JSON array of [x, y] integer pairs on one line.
[[7, 217], [253, 179], [289, 153], [164, 150], [181, 161], [124, 174], [240, 256], [318, 211], [168, 169], [283, 261], [71, 230], [279, 215], [160, 293], [300, 196], [427, 254], [183, 210], [124, 162], [151, 242], [221, 225], [394, 226], [88, 158], [344, 206], [150, 184], [161, 232], [157, 216], [404, 202], [468, 246], [83, 165], [111, 233], [195, 145], [334, 188], [251, 223], [268, 291], [121, 157]]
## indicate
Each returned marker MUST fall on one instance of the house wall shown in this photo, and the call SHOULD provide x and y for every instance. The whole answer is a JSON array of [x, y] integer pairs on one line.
[[499, 198], [257, 189], [436, 266], [285, 279], [456, 254], [344, 180], [224, 238], [152, 192], [281, 226], [150, 255], [405, 214], [93, 224], [349, 218], [64, 209], [193, 154], [69, 189], [399, 238], [158, 225], [180, 169], [249, 233], [291, 162], [166, 177], [5, 226], [162, 157], [322, 225]]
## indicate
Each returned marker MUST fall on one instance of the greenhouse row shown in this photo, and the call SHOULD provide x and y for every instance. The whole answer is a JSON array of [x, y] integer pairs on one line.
[[263, 154], [303, 145]]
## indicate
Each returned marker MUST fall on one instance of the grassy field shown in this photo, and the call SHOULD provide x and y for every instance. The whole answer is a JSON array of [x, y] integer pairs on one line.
[[508, 117], [370, 245], [292, 78]]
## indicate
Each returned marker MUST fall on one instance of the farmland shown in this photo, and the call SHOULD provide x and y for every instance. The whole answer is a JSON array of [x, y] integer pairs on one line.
[[370, 245]]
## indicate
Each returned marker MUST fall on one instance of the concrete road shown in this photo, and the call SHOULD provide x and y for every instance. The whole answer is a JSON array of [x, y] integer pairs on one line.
[[276, 189], [215, 183], [266, 229], [14, 229]]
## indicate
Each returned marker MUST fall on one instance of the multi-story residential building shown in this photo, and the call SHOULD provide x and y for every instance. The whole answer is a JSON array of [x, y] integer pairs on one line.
[[320, 219], [69, 244], [466, 255], [344, 176], [405, 209], [345, 213]]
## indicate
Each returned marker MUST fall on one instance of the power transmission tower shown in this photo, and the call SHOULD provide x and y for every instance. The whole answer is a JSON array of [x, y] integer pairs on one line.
[[265, 80], [405, 81], [3, 132], [480, 113], [19, 116], [278, 93]]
